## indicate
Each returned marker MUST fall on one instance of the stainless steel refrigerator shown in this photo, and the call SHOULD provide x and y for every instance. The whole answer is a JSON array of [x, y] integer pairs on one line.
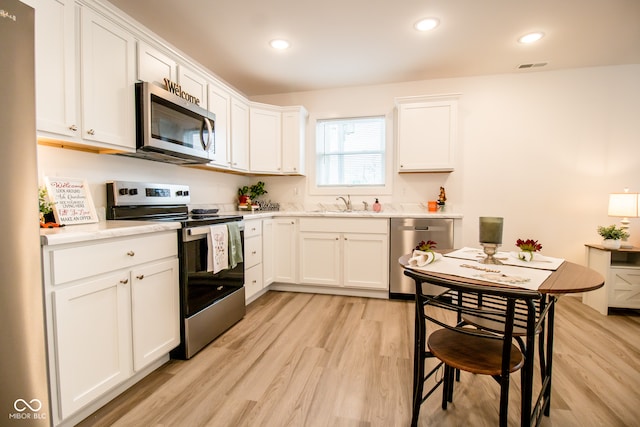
[[24, 393]]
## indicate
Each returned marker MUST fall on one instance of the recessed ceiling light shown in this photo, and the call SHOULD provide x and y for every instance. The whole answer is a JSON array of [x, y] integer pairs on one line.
[[426, 24], [531, 38], [279, 44]]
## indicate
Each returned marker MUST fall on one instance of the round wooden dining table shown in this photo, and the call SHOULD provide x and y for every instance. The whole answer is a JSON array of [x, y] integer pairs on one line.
[[568, 278]]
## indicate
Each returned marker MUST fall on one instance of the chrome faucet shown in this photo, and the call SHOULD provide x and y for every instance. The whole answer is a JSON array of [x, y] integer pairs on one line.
[[346, 201]]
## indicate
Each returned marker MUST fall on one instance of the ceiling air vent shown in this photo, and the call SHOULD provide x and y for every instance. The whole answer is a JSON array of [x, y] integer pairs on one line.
[[532, 65]]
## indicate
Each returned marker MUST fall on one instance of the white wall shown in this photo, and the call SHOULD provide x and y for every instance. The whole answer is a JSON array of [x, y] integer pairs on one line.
[[541, 149], [207, 187]]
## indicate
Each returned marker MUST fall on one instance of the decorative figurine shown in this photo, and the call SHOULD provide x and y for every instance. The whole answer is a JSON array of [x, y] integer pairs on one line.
[[442, 198]]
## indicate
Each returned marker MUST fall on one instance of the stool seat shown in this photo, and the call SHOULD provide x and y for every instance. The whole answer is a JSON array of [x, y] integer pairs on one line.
[[471, 353]]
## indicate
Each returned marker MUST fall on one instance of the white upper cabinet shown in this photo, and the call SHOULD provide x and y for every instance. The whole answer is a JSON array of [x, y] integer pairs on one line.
[[294, 125], [220, 105], [427, 132], [107, 81], [194, 84], [155, 66], [239, 134], [265, 139], [56, 84]]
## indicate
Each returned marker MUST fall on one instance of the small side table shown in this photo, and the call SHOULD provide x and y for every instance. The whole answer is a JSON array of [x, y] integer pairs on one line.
[[621, 270]]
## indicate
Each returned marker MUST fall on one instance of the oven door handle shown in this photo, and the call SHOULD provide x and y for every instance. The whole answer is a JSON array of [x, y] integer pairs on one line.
[[204, 230]]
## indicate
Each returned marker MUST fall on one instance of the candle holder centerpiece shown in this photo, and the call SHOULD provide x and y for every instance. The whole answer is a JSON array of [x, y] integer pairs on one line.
[[490, 237]]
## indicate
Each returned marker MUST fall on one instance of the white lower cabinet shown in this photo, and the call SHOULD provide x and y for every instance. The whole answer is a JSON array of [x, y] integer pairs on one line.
[[253, 282], [268, 257], [93, 339], [348, 253], [110, 318], [285, 250]]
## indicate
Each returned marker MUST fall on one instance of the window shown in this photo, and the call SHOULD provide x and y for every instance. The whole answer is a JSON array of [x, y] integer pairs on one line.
[[350, 152]]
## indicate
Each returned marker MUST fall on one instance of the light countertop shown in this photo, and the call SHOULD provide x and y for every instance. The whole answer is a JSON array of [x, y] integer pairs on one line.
[[109, 229], [352, 214], [101, 230]]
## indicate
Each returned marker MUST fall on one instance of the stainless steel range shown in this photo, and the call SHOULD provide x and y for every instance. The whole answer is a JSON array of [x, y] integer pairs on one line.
[[211, 300]]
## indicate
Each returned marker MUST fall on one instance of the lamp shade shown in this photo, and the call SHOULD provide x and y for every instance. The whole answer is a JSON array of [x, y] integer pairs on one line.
[[625, 205]]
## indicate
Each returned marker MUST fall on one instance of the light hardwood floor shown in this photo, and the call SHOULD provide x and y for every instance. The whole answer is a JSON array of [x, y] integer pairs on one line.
[[321, 360]]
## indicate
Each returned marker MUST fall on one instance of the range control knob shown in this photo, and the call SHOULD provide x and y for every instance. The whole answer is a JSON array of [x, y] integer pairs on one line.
[[179, 193], [185, 193], [133, 191], [123, 191]]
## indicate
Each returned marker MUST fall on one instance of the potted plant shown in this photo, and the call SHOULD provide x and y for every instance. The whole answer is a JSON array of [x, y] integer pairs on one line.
[[243, 195], [527, 249], [257, 190], [46, 207], [612, 236], [423, 254]]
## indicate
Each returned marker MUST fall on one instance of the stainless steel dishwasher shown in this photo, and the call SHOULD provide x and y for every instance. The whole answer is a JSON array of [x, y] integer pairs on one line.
[[404, 235]]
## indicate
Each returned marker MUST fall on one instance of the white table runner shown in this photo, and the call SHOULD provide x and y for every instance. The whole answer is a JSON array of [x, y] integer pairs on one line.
[[509, 258], [511, 275]]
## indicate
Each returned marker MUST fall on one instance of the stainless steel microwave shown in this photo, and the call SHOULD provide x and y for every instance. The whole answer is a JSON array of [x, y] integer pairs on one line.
[[171, 129]]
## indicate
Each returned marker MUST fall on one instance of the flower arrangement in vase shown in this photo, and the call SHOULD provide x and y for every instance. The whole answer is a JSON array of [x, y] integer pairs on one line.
[[527, 249], [612, 236], [423, 253]]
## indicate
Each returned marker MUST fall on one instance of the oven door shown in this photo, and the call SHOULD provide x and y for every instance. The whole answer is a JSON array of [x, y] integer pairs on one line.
[[202, 288]]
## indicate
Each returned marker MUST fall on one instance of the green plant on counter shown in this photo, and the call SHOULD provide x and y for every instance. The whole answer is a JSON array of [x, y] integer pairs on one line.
[[612, 232], [46, 206], [257, 190]]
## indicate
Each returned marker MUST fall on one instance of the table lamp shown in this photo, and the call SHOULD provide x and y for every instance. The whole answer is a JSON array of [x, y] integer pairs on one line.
[[625, 205], [490, 237]]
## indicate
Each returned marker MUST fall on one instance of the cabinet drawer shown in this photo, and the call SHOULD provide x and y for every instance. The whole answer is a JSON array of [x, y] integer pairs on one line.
[[252, 281], [252, 228], [252, 251], [89, 260]]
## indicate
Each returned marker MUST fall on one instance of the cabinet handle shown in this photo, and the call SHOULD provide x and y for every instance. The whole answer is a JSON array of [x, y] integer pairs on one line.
[[293, 222], [91, 132], [254, 281], [401, 166], [253, 252], [140, 277], [73, 128], [124, 281], [337, 238], [131, 253]]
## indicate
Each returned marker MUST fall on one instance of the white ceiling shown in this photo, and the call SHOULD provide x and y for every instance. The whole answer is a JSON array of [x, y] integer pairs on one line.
[[337, 43]]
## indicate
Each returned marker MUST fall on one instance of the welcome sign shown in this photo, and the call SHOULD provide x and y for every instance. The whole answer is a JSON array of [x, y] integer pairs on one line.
[[71, 200]]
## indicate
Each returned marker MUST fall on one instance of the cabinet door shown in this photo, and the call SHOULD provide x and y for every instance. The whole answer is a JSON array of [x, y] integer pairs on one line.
[[239, 135], [366, 261], [252, 251], [252, 282], [194, 84], [320, 258], [427, 134], [108, 78], [155, 66], [624, 287], [265, 135], [285, 238], [220, 105], [56, 68], [93, 339], [293, 141], [155, 311], [268, 258]]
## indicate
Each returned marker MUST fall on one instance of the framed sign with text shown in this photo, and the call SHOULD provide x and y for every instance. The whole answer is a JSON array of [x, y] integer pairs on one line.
[[71, 200]]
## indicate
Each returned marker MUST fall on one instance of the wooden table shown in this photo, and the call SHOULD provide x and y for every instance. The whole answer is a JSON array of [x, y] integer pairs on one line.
[[567, 279]]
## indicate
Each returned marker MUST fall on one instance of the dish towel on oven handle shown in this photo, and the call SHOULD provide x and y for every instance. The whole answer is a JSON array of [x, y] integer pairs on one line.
[[218, 248], [235, 244]]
